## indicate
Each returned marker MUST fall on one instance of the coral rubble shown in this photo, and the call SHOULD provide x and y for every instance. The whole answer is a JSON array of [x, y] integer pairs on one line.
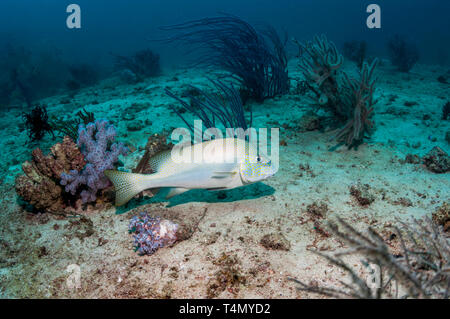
[[275, 241], [437, 160], [442, 216], [362, 194]]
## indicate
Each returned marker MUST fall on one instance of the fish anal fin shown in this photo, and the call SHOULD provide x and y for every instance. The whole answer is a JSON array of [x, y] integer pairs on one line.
[[176, 191]]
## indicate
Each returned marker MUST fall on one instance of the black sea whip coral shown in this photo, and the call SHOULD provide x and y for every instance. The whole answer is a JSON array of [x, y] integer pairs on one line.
[[257, 60]]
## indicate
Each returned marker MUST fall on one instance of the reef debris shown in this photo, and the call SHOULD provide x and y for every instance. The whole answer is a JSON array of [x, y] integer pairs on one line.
[[442, 216], [275, 241], [437, 160], [362, 193], [229, 277]]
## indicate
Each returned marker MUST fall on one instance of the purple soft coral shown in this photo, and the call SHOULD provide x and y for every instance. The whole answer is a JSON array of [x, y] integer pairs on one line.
[[152, 233], [99, 157]]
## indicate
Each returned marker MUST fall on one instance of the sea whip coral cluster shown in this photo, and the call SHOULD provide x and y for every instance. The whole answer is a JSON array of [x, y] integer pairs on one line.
[[40, 184], [95, 141], [350, 100], [152, 233], [256, 59]]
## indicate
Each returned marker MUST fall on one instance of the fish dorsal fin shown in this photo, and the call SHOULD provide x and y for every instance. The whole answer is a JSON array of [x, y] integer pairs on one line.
[[157, 160], [176, 191]]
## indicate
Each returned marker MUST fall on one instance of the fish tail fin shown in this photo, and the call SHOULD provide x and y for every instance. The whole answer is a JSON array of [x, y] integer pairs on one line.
[[127, 185]]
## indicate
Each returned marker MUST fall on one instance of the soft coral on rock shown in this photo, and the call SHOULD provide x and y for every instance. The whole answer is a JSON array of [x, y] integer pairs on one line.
[[40, 184], [96, 143]]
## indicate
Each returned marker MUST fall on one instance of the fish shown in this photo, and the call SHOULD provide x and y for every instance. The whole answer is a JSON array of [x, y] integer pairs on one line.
[[219, 164]]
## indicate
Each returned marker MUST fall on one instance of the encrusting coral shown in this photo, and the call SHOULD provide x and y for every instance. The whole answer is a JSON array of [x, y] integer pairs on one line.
[[96, 142], [40, 184]]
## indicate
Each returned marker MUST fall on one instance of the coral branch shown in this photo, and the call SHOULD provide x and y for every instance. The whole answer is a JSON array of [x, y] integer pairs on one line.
[[423, 272]]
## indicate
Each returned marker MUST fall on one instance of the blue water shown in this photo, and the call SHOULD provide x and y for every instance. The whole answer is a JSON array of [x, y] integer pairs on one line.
[[124, 26]]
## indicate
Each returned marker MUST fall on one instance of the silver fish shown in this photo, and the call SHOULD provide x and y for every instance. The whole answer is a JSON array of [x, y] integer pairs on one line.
[[223, 164]]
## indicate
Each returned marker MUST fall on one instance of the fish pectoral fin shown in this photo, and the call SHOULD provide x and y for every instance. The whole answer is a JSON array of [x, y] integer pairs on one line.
[[216, 189], [225, 171], [223, 174], [176, 191]]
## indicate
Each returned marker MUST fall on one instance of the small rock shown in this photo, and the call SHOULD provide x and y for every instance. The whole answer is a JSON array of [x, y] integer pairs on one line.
[[437, 160], [134, 127], [362, 193], [309, 122], [411, 103], [275, 242], [442, 216], [42, 251], [404, 202], [412, 159], [317, 210]]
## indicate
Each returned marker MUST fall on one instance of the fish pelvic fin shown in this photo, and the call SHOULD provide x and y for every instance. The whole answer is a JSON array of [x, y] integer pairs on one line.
[[127, 185], [174, 191]]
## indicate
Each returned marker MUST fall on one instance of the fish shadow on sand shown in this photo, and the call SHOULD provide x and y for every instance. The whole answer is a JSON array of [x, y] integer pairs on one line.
[[247, 192]]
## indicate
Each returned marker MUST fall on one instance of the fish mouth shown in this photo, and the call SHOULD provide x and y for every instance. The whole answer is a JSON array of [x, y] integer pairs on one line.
[[269, 175]]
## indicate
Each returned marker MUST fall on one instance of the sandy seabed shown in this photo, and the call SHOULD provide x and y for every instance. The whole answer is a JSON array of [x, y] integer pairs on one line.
[[226, 255]]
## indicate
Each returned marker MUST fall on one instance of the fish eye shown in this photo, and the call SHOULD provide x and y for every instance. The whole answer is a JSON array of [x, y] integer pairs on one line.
[[258, 159]]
